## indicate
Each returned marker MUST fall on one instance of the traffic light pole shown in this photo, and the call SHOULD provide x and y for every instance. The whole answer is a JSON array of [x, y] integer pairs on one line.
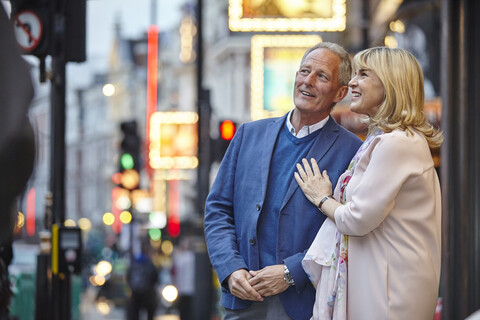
[[60, 282], [203, 100], [202, 304]]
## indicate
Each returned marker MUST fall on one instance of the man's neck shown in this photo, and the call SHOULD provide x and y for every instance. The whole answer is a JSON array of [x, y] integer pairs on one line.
[[300, 120]]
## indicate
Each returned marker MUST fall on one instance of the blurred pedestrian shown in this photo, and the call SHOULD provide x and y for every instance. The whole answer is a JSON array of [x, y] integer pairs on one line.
[[386, 206], [184, 278], [142, 277], [258, 223]]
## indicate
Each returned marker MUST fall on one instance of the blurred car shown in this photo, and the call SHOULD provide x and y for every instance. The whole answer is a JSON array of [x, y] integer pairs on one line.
[[24, 258], [22, 272]]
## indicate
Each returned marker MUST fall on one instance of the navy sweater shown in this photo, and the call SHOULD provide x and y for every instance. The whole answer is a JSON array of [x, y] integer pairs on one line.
[[288, 151]]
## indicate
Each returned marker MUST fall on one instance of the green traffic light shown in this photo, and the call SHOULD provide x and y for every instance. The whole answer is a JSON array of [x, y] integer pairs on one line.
[[155, 234], [126, 161]]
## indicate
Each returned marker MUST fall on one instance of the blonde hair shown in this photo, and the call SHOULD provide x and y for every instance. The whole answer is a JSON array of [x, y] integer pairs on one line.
[[402, 78]]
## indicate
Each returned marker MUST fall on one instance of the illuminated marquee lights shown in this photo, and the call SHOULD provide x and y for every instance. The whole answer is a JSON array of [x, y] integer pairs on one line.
[[258, 45], [159, 160], [188, 30], [336, 22]]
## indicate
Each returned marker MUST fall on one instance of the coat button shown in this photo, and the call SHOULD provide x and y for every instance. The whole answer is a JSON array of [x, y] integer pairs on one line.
[[252, 241], [258, 207]]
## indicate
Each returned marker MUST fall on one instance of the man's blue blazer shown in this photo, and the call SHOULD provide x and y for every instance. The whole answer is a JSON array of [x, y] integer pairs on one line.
[[236, 199]]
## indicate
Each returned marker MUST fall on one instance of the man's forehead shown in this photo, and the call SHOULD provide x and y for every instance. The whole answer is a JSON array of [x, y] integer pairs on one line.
[[321, 55]]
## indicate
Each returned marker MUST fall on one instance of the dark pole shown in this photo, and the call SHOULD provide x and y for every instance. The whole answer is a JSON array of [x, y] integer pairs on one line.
[[202, 302], [460, 156], [60, 281], [365, 23], [203, 100], [153, 12], [57, 169], [199, 47]]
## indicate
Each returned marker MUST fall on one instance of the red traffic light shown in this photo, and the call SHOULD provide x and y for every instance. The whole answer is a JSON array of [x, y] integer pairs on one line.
[[227, 130]]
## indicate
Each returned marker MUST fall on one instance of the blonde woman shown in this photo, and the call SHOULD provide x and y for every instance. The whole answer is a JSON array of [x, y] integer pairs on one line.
[[386, 206]]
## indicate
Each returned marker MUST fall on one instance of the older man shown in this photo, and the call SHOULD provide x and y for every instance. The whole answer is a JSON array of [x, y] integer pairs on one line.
[[258, 223]]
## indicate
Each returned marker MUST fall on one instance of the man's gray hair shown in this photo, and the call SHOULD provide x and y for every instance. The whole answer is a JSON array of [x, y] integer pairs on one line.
[[345, 72]]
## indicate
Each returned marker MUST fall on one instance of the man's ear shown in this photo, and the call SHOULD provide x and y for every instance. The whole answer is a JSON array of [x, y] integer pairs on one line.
[[341, 93]]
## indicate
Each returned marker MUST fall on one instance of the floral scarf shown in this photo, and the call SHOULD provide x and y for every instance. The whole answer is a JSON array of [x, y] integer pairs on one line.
[[336, 299]]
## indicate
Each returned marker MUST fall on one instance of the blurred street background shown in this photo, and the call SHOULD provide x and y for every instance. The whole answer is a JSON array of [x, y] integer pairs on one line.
[[136, 101]]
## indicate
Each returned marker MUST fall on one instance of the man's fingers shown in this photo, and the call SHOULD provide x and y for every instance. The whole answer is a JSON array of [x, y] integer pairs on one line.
[[243, 290], [249, 292], [242, 294], [253, 294]]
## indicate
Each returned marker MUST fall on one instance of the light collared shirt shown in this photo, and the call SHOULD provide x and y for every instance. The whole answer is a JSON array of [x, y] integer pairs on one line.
[[306, 130]]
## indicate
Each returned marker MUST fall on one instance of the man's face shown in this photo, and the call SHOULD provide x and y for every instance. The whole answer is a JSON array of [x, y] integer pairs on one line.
[[316, 83]]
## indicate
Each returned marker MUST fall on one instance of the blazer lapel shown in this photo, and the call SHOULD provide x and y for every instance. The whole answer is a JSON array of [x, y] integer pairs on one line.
[[271, 135], [320, 147]]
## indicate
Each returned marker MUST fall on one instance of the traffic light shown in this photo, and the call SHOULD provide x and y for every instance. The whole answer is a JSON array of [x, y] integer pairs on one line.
[[226, 131], [32, 25], [129, 162], [130, 146], [75, 30]]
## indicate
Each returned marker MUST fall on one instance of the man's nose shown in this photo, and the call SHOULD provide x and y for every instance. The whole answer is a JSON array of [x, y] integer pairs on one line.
[[310, 79]]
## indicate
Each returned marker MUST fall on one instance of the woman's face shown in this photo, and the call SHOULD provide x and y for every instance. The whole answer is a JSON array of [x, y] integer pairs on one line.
[[368, 92]]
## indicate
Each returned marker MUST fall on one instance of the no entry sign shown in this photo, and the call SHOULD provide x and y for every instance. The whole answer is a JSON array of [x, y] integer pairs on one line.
[[28, 30]]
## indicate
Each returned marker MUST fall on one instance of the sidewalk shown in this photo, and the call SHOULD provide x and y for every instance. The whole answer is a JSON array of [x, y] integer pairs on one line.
[[94, 310], [106, 310]]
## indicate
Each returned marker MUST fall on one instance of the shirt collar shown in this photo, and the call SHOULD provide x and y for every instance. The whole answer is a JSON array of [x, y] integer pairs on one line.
[[306, 130]]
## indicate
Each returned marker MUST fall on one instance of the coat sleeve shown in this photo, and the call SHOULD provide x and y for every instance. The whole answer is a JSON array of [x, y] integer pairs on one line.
[[220, 233], [294, 265], [390, 160]]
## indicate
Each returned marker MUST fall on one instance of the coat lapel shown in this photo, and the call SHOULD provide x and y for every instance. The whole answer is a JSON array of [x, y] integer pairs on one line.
[[320, 147]]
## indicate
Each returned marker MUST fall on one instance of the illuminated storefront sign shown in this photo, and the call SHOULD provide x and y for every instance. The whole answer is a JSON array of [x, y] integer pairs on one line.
[[275, 59], [173, 140], [283, 15]]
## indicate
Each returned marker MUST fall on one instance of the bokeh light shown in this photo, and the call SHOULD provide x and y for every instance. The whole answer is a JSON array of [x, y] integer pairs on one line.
[[108, 90], [170, 293], [108, 218], [85, 224], [125, 217], [167, 247]]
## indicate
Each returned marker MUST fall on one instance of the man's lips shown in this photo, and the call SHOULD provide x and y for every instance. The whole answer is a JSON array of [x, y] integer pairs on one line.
[[305, 93]]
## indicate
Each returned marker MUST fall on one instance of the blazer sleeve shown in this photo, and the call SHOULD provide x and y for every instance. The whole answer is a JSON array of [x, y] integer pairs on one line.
[[219, 221], [390, 160]]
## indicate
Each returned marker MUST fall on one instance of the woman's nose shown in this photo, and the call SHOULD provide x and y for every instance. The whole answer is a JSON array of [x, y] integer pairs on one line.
[[352, 82]]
